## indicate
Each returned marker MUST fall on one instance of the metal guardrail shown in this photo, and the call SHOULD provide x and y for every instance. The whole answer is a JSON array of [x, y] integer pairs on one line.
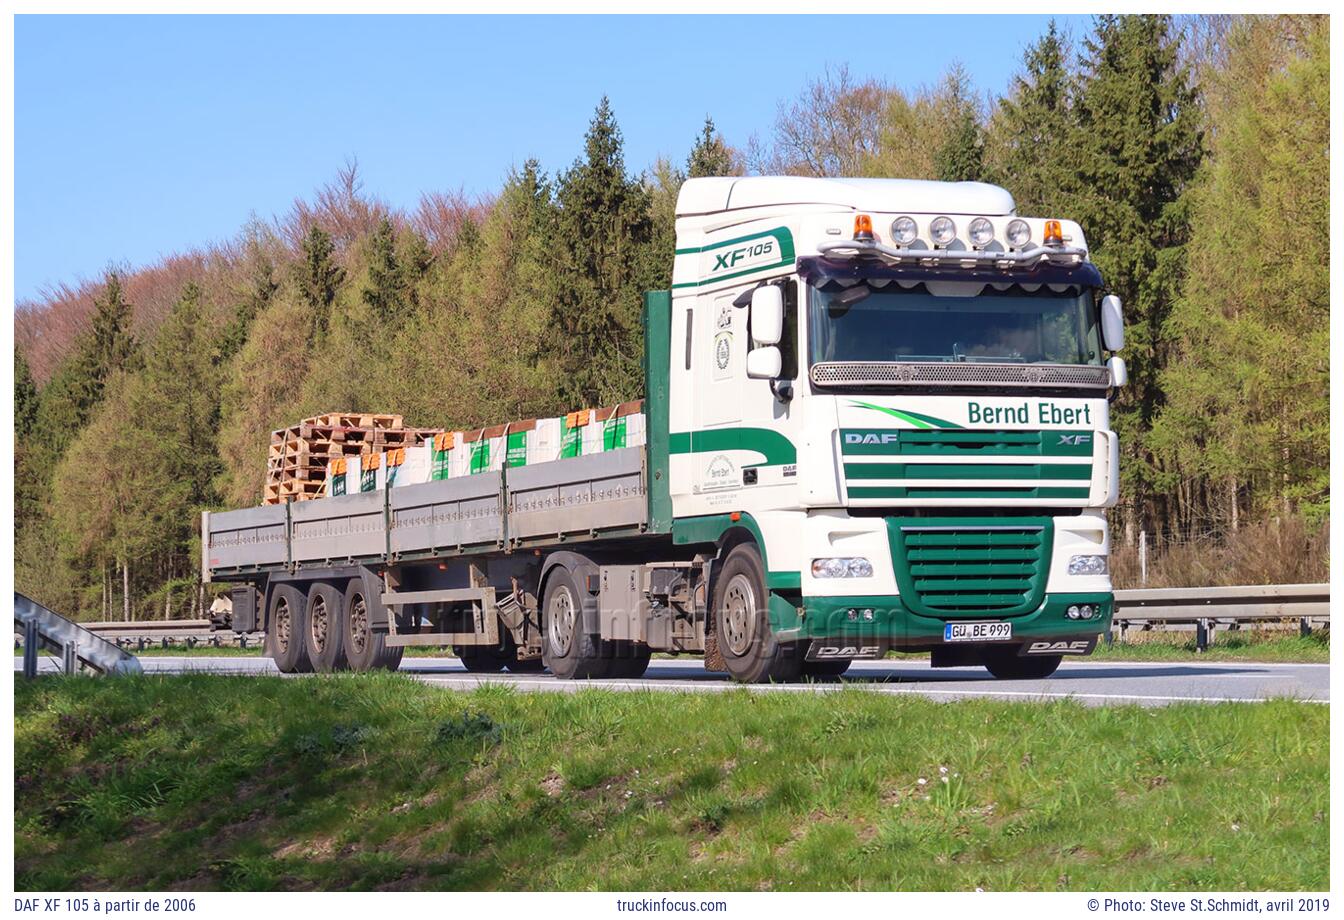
[[77, 646], [143, 633], [1205, 610]]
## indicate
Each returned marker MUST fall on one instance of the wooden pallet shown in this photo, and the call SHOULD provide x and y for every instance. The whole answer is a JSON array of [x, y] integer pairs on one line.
[[297, 458], [356, 420]]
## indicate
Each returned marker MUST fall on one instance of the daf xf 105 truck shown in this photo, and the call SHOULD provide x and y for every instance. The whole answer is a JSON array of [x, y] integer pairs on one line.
[[876, 418]]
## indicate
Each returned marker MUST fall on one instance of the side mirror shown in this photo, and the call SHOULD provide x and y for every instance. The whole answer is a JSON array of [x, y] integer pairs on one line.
[[767, 315], [1112, 323], [764, 363], [1119, 373]]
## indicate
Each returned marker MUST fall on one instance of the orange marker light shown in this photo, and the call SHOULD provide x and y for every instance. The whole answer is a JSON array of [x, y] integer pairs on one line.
[[1053, 234], [735, 516], [863, 227]]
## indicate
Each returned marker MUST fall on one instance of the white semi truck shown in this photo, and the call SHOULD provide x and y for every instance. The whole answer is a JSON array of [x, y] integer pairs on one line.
[[876, 418]]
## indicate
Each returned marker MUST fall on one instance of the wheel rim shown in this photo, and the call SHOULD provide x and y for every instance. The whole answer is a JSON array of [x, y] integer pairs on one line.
[[560, 619], [318, 624], [359, 626], [739, 614], [282, 624]]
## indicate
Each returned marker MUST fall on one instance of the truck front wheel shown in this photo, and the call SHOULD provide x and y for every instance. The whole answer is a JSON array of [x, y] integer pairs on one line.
[[1006, 664], [285, 629], [742, 622], [568, 650]]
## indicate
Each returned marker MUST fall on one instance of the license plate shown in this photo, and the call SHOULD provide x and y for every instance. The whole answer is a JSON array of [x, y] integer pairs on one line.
[[977, 632]]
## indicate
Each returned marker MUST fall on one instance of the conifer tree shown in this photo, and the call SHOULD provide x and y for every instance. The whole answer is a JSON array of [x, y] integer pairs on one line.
[[1138, 144], [319, 279], [25, 397], [1032, 130], [384, 292], [710, 156], [960, 157], [603, 231]]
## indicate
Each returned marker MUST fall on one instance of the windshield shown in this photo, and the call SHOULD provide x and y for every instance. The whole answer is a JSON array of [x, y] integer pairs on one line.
[[1005, 323]]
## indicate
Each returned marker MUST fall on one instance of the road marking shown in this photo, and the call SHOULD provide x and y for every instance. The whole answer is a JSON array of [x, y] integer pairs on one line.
[[669, 685]]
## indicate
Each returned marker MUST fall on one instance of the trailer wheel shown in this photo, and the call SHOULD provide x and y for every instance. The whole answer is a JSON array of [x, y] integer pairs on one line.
[[833, 668], [365, 648], [750, 651], [1006, 664], [325, 634], [285, 629], [569, 651]]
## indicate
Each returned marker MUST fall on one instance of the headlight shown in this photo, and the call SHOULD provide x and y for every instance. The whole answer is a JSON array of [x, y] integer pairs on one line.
[[1019, 233], [842, 567], [1087, 565], [904, 230], [982, 231], [942, 229]]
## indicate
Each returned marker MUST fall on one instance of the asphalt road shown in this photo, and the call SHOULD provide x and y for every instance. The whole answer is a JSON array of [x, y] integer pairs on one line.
[[1092, 683]]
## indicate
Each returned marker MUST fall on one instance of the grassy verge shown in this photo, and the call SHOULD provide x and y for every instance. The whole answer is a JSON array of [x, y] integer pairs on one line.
[[1227, 646], [376, 781]]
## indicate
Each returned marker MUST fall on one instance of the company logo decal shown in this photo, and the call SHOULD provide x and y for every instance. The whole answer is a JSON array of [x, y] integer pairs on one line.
[[1074, 647]]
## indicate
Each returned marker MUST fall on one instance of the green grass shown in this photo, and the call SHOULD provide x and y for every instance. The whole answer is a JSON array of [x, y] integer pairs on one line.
[[1227, 646], [377, 781]]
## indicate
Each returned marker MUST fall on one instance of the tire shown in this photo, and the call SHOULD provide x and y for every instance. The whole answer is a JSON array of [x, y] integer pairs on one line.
[[1006, 664], [750, 651], [486, 659], [324, 633], [526, 666], [364, 643], [629, 660], [285, 629], [569, 651], [832, 668]]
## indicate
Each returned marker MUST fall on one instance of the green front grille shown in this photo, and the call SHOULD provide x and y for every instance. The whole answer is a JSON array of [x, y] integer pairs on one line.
[[954, 567], [881, 464]]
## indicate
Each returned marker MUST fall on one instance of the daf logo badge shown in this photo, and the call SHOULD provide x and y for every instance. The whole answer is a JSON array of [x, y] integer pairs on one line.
[[1075, 439]]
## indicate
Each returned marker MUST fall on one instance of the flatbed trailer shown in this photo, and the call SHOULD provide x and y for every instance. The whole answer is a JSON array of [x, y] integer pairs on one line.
[[797, 503]]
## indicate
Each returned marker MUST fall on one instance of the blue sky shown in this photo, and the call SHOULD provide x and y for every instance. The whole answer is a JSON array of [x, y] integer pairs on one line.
[[137, 136]]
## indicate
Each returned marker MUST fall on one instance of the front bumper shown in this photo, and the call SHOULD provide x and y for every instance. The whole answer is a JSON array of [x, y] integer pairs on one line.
[[895, 625]]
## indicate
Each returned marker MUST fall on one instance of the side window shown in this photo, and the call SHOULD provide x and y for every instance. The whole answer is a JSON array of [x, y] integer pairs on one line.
[[690, 334], [788, 343]]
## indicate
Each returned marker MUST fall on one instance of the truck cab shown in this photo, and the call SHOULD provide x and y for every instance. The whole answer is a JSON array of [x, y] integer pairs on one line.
[[895, 395]]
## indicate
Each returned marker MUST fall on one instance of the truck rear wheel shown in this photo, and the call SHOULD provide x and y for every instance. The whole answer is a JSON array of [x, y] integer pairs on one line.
[[568, 650], [285, 630], [325, 628], [486, 659], [1006, 664], [750, 651], [365, 645], [629, 660]]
